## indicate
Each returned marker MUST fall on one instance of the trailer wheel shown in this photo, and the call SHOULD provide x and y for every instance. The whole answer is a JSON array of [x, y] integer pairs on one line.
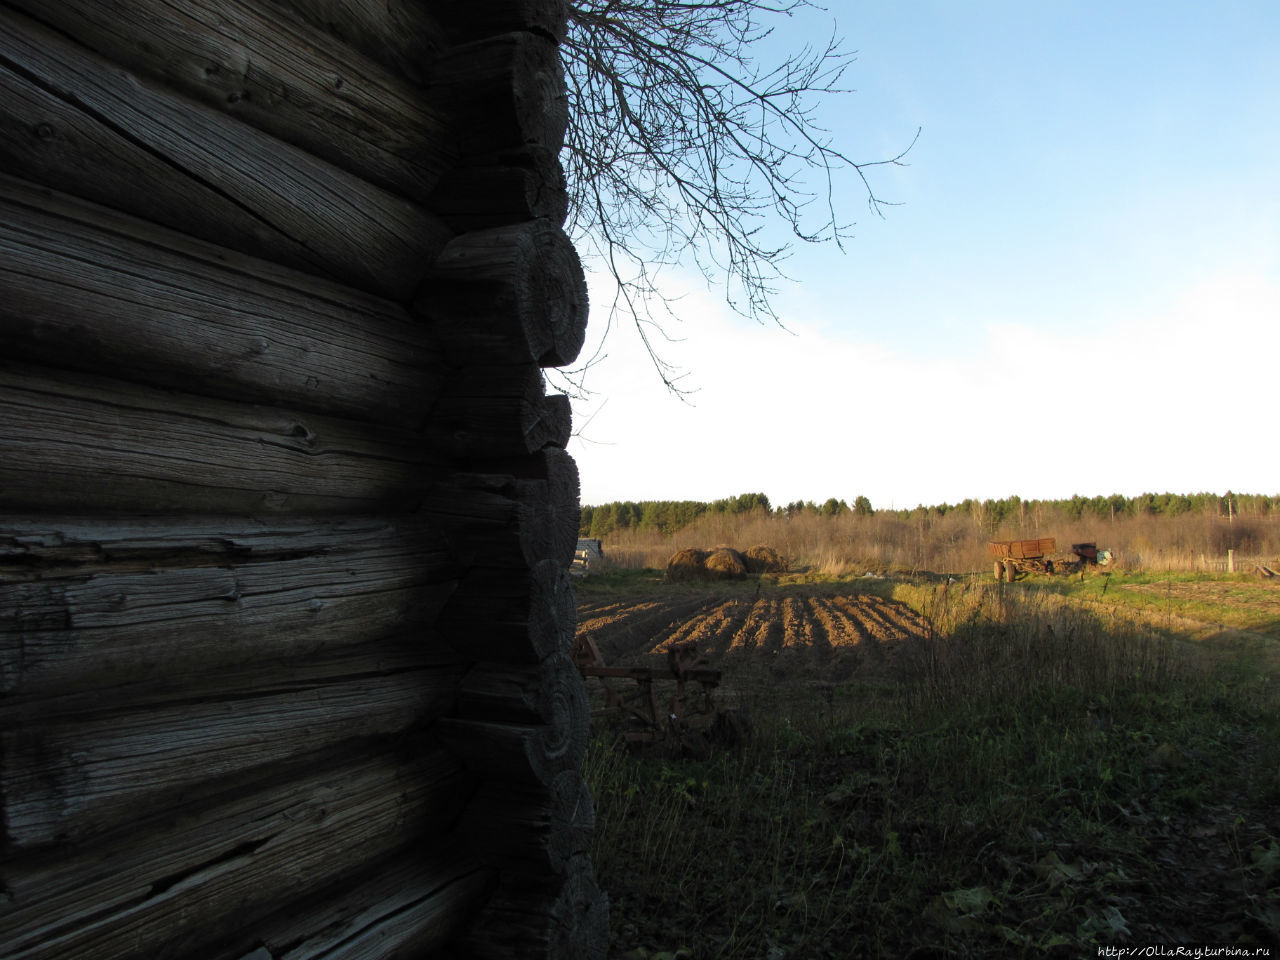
[[999, 570], [1010, 571]]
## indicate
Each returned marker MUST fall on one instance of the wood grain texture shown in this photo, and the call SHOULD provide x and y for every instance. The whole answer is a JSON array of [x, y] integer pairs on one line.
[[500, 412], [500, 520], [108, 295], [284, 508], [546, 481], [518, 693], [503, 92], [510, 186], [402, 35], [276, 73], [77, 123], [523, 754], [71, 780], [521, 725], [75, 443], [220, 867], [509, 295], [93, 605], [397, 910]]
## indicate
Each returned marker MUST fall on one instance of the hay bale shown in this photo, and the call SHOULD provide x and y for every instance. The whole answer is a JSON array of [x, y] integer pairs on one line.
[[762, 559], [687, 565], [725, 563]]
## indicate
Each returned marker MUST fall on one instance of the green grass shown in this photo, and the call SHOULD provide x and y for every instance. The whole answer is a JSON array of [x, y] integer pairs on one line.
[[1045, 778], [1239, 601]]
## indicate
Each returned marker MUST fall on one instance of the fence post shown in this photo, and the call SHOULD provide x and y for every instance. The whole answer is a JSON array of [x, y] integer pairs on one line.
[[1231, 561]]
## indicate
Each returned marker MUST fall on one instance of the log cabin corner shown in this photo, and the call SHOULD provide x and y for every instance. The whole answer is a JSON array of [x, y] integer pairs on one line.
[[285, 515]]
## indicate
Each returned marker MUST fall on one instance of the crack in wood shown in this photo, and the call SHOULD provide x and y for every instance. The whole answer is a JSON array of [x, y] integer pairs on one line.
[[246, 849], [75, 102]]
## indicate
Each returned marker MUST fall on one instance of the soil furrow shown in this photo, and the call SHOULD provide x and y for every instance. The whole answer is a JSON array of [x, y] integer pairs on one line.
[[829, 637]]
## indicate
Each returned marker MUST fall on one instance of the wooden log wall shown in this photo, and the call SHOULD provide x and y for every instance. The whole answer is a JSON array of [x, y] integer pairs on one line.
[[285, 512]]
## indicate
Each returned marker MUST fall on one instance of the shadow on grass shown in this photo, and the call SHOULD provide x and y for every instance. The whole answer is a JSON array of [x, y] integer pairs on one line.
[[1035, 777]]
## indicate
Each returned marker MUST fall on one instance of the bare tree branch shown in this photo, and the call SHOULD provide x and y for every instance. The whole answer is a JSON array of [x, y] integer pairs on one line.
[[684, 150]]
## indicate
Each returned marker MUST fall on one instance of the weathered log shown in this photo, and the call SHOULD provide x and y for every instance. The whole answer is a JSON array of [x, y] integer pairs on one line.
[[387, 656], [75, 443], [103, 294], [39, 548], [403, 35], [75, 122], [502, 92], [493, 518], [559, 471], [75, 779], [495, 412], [274, 72], [500, 520], [508, 295], [96, 605], [521, 753], [466, 21], [506, 616], [215, 868], [556, 470], [568, 920], [407, 907], [504, 188], [529, 833], [522, 693]]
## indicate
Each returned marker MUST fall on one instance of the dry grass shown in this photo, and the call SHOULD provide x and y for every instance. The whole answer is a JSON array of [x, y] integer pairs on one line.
[[952, 543], [1045, 778]]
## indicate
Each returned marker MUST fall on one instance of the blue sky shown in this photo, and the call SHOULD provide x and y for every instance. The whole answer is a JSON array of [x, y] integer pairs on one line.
[[1080, 291]]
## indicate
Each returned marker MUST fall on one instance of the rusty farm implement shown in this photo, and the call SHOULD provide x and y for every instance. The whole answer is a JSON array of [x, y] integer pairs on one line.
[[1013, 558], [674, 707]]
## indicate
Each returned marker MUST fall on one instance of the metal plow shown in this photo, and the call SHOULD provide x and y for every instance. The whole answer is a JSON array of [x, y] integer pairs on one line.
[[675, 707]]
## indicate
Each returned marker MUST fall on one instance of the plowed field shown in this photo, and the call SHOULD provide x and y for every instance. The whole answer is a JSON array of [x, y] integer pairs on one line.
[[813, 637]]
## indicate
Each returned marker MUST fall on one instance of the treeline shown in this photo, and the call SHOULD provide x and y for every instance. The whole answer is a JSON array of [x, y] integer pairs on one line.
[[665, 516], [668, 516], [995, 512]]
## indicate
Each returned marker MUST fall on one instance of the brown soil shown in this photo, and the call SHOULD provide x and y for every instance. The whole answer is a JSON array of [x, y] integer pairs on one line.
[[820, 638]]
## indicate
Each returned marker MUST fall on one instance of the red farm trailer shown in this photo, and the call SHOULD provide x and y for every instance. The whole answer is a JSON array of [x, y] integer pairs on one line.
[[1012, 558]]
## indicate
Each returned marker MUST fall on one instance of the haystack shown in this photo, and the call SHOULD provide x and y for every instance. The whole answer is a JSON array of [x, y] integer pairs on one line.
[[762, 559], [725, 563], [687, 564]]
